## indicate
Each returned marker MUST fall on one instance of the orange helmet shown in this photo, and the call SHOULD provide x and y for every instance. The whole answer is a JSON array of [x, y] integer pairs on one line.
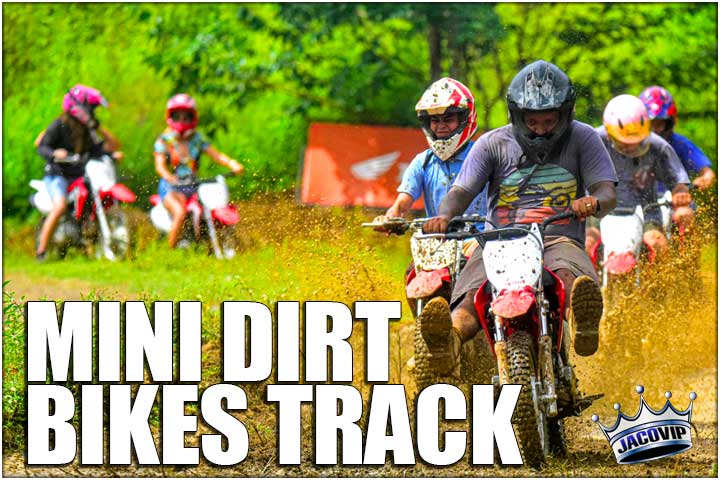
[[628, 125]]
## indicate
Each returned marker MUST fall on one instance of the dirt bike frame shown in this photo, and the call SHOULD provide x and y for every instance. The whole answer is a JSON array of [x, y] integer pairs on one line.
[[91, 195], [437, 262], [621, 239], [516, 301], [209, 204]]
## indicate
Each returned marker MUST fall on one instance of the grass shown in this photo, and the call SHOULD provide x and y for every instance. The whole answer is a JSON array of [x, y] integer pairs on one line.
[[288, 253], [13, 396], [296, 253]]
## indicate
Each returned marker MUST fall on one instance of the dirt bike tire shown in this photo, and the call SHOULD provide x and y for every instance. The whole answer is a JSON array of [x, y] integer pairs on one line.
[[119, 232], [521, 367]]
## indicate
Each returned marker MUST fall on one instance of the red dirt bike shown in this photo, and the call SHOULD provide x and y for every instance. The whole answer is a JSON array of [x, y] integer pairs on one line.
[[93, 218], [210, 216], [621, 243], [521, 308], [437, 262]]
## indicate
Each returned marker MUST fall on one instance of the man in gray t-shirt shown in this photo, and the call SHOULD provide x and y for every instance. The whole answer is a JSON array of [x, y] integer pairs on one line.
[[641, 158], [540, 165]]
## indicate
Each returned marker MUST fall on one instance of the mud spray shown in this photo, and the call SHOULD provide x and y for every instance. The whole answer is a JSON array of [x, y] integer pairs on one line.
[[659, 329]]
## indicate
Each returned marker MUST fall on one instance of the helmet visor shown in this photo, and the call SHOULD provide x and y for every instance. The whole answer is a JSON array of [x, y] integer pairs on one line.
[[183, 116]]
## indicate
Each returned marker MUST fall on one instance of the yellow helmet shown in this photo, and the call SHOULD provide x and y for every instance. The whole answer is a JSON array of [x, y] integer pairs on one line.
[[628, 125]]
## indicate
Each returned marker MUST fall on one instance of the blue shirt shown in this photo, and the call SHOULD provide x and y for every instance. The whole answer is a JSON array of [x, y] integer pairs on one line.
[[692, 158], [434, 181]]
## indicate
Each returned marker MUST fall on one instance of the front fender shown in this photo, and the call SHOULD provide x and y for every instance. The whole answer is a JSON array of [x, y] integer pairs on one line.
[[426, 282], [122, 193], [513, 303], [620, 263]]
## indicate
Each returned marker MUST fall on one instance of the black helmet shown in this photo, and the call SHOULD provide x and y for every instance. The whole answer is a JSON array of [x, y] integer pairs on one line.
[[538, 87]]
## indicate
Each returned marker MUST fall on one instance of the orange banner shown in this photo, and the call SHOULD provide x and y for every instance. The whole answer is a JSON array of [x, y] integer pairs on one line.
[[357, 164]]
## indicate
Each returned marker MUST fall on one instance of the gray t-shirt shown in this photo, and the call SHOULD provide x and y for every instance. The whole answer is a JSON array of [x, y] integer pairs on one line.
[[638, 176], [497, 159]]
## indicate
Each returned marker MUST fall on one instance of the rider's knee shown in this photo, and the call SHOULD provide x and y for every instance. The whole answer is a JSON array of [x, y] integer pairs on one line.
[[683, 215], [59, 205], [656, 240], [465, 318]]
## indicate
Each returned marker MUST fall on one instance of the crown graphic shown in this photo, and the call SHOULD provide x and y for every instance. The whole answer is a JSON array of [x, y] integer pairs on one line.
[[649, 434]]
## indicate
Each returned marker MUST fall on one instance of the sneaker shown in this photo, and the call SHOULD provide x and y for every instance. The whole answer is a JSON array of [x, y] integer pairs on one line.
[[442, 339], [41, 257], [586, 307]]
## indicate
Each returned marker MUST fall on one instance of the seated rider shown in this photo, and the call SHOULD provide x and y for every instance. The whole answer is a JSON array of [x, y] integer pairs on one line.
[[663, 119], [640, 157], [446, 112], [539, 165], [177, 153], [65, 145]]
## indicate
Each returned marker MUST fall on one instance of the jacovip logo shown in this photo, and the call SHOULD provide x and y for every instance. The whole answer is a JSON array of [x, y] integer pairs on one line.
[[649, 434]]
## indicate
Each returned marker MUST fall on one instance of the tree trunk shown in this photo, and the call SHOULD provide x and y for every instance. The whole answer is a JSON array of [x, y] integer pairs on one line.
[[435, 50]]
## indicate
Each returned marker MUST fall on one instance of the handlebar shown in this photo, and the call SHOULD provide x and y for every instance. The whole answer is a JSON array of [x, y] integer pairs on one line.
[[400, 226], [195, 181], [76, 158], [632, 211], [496, 232], [396, 225]]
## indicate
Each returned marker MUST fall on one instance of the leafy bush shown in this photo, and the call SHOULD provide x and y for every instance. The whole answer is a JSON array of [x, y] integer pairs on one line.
[[13, 398]]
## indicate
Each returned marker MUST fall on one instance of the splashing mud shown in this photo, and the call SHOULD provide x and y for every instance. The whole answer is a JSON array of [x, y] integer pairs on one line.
[[660, 331]]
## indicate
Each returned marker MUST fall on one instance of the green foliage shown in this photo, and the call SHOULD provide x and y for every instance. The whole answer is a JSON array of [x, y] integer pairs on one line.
[[262, 72], [609, 49], [13, 398]]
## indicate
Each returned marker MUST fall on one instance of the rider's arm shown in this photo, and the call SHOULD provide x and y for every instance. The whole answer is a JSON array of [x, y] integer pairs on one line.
[[402, 204], [705, 178], [161, 168], [672, 173], [602, 198], [111, 144], [49, 138], [222, 159], [455, 203]]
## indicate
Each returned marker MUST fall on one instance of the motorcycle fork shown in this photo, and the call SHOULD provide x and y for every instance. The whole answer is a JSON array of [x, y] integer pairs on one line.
[[547, 374], [104, 227], [212, 233], [501, 350]]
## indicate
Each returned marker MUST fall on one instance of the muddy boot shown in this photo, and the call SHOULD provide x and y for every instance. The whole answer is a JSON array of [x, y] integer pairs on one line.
[[586, 307], [442, 340]]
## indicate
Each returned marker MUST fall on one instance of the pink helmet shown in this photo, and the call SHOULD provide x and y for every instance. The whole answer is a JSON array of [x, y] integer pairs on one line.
[[628, 125], [447, 95], [80, 102], [660, 106], [177, 103]]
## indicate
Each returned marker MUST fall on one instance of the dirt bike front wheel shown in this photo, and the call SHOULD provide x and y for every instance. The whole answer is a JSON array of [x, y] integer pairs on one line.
[[529, 421], [119, 241]]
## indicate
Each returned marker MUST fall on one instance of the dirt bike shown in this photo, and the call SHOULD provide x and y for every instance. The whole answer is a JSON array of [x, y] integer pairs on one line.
[[210, 215], [93, 217], [621, 243], [521, 308], [437, 263]]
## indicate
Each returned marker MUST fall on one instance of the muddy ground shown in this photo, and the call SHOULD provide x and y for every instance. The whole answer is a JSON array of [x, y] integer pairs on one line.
[[662, 335]]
